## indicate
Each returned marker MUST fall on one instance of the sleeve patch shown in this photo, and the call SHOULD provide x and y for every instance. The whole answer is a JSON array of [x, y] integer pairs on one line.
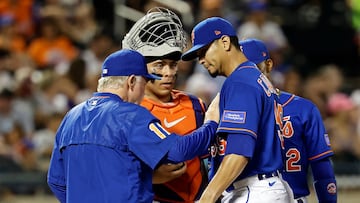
[[331, 188], [158, 130], [326, 136], [234, 116]]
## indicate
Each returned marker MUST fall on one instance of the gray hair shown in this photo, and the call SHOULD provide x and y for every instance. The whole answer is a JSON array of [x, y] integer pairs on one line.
[[112, 82]]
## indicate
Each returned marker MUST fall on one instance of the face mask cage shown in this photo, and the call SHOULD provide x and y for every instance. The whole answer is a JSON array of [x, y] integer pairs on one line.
[[158, 33]]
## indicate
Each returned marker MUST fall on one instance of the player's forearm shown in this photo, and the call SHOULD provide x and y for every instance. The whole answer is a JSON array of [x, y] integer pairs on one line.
[[324, 181], [194, 144], [230, 168], [168, 172]]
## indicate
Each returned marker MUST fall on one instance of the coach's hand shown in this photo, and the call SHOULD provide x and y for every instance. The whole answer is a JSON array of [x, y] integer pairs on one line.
[[166, 172], [213, 111]]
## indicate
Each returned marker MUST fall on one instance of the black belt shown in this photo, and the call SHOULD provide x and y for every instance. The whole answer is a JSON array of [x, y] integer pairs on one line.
[[268, 175]]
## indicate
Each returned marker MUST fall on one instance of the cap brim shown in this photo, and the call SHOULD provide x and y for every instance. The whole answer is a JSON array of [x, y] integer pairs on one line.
[[152, 77], [191, 53], [176, 55]]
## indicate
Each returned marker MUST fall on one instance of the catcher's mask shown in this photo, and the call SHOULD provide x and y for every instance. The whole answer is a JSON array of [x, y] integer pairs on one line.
[[158, 34]]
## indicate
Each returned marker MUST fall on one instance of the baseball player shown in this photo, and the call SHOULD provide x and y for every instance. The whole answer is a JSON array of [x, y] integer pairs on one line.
[[180, 113], [305, 138], [107, 147], [246, 158]]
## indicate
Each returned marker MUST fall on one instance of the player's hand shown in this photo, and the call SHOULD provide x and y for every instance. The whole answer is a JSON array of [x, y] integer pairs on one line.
[[167, 172], [213, 111]]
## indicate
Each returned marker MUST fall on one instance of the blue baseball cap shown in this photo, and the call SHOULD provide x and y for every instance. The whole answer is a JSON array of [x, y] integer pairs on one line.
[[255, 50], [206, 32], [124, 63]]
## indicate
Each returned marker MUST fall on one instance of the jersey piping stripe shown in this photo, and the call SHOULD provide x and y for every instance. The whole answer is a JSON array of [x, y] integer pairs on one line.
[[288, 101], [246, 67], [238, 129], [101, 97], [320, 155]]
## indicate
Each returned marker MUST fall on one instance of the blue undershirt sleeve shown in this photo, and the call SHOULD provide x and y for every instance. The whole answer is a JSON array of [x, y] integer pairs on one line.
[[194, 144], [324, 181]]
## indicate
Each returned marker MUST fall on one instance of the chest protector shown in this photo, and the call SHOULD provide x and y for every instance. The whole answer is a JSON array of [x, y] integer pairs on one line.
[[182, 115]]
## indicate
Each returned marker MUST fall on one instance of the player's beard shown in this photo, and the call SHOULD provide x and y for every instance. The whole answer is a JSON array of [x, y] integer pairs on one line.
[[214, 74]]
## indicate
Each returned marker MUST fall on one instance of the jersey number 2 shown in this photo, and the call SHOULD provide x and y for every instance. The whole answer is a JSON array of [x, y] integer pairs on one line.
[[293, 157]]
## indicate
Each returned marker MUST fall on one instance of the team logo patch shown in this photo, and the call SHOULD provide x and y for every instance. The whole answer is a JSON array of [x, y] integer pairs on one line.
[[93, 102], [234, 116], [331, 188], [327, 140]]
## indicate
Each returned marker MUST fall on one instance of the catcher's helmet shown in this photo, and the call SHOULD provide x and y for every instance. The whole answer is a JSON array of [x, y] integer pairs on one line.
[[159, 33]]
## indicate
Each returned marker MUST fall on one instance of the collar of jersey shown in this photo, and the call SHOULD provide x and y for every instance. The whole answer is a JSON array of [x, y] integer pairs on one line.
[[105, 95]]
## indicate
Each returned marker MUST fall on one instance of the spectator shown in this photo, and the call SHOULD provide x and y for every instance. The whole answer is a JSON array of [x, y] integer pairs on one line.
[[258, 24], [292, 82], [355, 97], [43, 140], [11, 114], [100, 46], [10, 39], [18, 148], [22, 13], [51, 48], [209, 8], [321, 85], [341, 127], [81, 26], [202, 86]]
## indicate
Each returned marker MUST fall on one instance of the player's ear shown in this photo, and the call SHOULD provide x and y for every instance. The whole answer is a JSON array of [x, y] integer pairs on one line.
[[131, 81], [269, 65], [225, 42]]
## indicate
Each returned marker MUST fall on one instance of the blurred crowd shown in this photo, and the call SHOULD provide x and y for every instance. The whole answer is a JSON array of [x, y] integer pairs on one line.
[[51, 53]]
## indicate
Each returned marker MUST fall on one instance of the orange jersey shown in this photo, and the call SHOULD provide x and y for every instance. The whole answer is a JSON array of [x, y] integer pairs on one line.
[[181, 116]]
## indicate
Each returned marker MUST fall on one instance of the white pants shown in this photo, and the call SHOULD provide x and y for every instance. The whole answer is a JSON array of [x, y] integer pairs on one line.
[[253, 190]]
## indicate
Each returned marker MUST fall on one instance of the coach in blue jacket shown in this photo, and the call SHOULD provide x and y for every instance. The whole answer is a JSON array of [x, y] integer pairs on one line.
[[107, 147]]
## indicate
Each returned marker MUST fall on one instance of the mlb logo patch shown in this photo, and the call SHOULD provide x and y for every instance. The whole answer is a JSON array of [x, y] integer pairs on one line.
[[234, 116], [327, 140]]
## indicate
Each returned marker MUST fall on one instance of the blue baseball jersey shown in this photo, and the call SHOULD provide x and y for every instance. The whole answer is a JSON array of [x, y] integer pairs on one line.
[[248, 125], [106, 149], [305, 140]]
